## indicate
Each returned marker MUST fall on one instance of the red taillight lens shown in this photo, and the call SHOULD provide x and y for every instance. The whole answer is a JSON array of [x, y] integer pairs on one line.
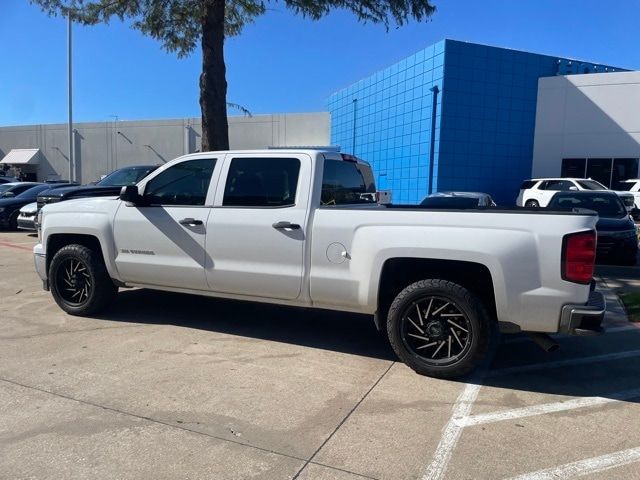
[[578, 257]]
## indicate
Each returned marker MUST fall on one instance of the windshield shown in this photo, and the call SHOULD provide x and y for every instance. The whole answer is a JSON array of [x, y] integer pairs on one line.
[[125, 176], [608, 206], [4, 187], [33, 191], [591, 185]]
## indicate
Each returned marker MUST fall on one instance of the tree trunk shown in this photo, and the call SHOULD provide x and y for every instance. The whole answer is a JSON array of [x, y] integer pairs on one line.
[[213, 81]]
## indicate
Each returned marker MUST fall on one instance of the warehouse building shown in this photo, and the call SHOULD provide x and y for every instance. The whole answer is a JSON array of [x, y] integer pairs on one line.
[[453, 116], [41, 151], [588, 126]]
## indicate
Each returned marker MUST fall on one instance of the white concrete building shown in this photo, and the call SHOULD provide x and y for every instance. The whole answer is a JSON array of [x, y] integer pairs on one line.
[[588, 126], [42, 150]]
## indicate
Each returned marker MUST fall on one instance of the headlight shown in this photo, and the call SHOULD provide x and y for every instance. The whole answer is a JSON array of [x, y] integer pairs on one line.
[[39, 224]]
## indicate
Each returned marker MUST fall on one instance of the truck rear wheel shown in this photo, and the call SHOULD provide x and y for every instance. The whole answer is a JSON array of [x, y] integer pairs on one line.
[[80, 283], [438, 328]]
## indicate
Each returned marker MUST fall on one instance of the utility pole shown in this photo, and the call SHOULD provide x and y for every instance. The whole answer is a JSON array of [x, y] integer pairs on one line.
[[72, 162]]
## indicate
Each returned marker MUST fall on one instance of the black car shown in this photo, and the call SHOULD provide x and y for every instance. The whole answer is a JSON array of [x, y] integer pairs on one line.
[[108, 186], [5, 179], [471, 199], [617, 234], [17, 196]]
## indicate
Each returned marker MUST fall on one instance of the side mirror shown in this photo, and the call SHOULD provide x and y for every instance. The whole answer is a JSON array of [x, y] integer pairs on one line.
[[130, 195], [573, 189]]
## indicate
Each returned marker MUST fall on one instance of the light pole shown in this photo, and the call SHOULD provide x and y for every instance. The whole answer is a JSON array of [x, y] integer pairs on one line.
[[72, 162]]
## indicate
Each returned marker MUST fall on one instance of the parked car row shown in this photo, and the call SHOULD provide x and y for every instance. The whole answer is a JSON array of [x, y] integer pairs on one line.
[[539, 192], [14, 196], [21, 201]]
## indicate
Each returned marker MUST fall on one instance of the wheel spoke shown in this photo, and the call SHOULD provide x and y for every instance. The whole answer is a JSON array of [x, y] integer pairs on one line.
[[449, 348], [458, 326], [416, 325], [419, 315], [438, 349], [441, 308], [426, 315], [455, 335], [418, 336], [427, 345], [452, 315]]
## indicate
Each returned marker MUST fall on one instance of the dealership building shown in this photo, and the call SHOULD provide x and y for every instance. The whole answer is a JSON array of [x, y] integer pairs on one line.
[[453, 116]]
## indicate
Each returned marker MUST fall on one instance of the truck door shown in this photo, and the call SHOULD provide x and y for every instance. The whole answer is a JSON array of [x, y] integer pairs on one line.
[[161, 241], [256, 230]]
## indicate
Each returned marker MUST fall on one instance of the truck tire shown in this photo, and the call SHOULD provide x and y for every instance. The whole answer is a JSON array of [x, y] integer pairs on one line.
[[438, 328], [79, 281]]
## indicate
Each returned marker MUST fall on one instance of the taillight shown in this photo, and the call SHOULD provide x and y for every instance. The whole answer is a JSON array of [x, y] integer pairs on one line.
[[578, 257]]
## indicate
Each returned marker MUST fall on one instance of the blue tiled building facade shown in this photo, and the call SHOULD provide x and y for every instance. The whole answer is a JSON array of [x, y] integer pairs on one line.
[[454, 116]]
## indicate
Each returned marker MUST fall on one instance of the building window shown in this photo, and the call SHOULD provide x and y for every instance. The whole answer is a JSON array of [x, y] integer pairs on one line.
[[608, 171], [623, 169], [599, 169], [574, 167]]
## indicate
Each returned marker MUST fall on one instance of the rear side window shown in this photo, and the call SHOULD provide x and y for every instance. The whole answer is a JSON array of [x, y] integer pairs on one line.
[[527, 184], [345, 182], [261, 182], [559, 185]]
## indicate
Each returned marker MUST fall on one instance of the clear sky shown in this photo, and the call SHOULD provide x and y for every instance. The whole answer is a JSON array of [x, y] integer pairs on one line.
[[282, 63]]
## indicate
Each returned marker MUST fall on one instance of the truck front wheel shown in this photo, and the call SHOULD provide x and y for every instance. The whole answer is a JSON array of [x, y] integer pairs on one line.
[[80, 283], [438, 328]]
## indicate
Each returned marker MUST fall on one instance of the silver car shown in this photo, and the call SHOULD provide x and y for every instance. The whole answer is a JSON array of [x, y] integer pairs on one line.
[[27, 217]]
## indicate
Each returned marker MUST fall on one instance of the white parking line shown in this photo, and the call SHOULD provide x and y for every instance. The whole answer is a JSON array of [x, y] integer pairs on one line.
[[545, 408], [452, 430], [585, 467], [564, 363]]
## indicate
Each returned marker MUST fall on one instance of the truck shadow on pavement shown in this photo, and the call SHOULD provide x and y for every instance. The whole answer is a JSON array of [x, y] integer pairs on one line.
[[605, 366], [328, 330]]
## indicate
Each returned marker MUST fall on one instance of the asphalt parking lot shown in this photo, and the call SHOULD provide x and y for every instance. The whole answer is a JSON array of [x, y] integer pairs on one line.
[[177, 386]]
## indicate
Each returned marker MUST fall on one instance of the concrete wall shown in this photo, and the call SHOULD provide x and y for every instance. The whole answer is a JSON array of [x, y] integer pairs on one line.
[[586, 116], [103, 147]]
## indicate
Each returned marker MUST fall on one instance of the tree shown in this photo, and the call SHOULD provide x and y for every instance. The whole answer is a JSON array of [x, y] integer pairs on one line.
[[181, 24]]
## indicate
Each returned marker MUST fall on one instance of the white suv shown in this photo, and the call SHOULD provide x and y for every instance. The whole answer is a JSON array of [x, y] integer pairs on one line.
[[538, 192], [632, 186]]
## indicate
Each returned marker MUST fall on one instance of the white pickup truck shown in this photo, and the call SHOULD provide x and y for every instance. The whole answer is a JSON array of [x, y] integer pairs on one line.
[[302, 228]]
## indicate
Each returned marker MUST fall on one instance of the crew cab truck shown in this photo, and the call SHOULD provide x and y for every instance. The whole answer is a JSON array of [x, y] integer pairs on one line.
[[302, 228]]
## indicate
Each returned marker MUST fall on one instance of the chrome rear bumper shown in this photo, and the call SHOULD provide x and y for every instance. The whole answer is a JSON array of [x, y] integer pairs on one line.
[[584, 319]]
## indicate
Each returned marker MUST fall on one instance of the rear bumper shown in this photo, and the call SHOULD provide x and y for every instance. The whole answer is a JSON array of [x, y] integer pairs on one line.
[[584, 319]]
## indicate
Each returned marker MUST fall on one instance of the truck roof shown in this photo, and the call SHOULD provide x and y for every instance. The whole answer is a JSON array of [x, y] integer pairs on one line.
[[331, 152]]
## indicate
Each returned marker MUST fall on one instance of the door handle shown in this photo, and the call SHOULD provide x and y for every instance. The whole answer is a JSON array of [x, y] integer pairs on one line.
[[286, 226], [190, 221]]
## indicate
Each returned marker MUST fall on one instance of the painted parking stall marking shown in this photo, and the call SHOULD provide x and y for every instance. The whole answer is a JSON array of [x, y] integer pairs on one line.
[[585, 467], [546, 408]]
